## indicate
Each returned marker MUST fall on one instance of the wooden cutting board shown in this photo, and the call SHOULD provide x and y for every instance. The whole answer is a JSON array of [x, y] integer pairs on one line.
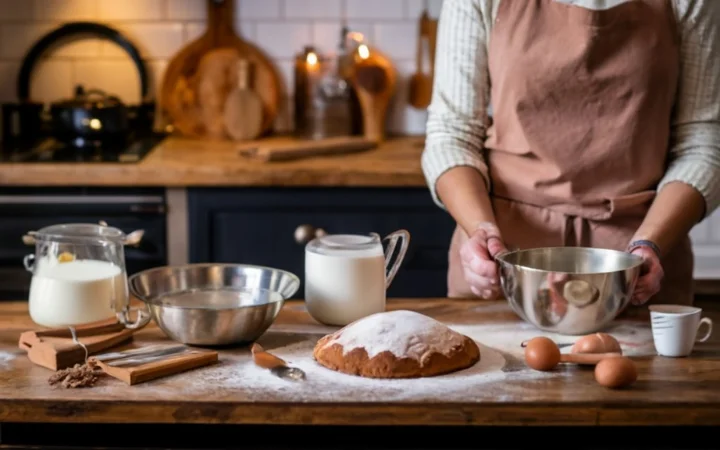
[[201, 75]]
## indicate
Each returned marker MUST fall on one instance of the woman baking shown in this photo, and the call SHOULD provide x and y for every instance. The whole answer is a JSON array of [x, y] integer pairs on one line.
[[605, 132]]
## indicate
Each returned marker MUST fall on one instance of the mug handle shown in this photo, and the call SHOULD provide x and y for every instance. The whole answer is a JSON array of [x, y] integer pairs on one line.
[[393, 238], [707, 321]]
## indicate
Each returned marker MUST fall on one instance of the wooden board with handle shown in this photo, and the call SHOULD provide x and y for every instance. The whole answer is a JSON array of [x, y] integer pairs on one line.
[[201, 75], [55, 349]]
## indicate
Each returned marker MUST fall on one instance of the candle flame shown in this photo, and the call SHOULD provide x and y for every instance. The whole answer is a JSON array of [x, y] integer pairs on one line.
[[363, 51], [311, 58]]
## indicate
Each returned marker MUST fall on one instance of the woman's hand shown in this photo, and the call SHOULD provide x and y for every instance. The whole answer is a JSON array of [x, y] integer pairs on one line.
[[477, 255], [651, 274]]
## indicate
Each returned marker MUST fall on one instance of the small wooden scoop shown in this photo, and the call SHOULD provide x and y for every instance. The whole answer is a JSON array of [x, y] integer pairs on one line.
[[276, 366]]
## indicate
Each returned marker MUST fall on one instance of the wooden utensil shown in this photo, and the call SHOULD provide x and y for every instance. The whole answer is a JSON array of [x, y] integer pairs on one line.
[[243, 107], [56, 348], [180, 97], [286, 151], [139, 369], [421, 83], [374, 80], [276, 366]]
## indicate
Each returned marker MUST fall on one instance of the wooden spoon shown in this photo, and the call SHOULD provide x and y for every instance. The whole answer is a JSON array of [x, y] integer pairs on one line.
[[421, 83], [243, 107]]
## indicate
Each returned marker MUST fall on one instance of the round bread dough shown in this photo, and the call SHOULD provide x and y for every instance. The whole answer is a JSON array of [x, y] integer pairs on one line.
[[396, 344]]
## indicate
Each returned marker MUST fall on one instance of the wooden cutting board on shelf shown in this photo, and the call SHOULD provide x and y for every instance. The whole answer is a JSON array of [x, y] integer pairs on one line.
[[200, 77]]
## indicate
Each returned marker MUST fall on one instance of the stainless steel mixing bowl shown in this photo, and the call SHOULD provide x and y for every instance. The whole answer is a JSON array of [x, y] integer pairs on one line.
[[568, 290], [214, 304]]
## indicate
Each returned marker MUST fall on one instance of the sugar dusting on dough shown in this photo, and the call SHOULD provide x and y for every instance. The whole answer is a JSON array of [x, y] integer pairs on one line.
[[406, 334]]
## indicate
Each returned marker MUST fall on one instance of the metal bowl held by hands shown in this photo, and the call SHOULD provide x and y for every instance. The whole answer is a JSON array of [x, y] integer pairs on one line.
[[568, 290], [214, 304]]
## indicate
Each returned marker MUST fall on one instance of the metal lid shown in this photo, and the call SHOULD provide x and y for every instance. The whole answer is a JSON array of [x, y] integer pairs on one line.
[[342, 244], [79, 232]]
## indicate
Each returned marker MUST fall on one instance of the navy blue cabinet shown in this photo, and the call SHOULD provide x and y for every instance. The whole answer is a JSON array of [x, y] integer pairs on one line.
[[259, 226]]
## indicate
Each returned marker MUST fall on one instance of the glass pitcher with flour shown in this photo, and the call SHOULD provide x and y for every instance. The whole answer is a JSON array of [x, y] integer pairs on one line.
[[79, 277], [347, 275]]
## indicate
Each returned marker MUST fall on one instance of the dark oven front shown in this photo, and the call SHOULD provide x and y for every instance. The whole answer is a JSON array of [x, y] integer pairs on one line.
[[28, 209]]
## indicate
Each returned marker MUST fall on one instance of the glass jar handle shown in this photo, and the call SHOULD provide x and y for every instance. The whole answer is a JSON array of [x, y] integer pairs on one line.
[[394, 237], [29, 262], [143, 317]]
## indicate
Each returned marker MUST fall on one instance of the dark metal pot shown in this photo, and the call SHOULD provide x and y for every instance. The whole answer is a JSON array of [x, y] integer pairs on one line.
[[91, 114]]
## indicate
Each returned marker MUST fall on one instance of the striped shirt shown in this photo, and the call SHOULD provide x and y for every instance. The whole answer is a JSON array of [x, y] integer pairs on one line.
[[458, 116]]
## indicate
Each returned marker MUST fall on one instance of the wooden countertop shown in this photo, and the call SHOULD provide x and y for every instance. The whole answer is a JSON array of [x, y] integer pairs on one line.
[[179, 162], [502, 391]]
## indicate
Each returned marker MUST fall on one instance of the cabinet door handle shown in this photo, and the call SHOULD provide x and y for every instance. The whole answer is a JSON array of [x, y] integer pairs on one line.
[[306, 233]]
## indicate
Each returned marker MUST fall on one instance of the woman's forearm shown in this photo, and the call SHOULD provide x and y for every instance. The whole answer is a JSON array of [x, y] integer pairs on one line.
[[677, 208], [464, 193]]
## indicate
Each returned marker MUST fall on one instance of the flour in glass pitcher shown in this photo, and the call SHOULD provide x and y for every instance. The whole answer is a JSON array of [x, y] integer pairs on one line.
[[342, 286], [75, 292]]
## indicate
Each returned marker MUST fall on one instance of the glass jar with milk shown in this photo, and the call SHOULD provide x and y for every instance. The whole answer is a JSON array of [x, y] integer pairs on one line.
[[79, 276], [346, 275]]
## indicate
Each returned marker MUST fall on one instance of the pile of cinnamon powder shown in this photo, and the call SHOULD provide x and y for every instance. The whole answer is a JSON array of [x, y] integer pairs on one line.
[[78, 376]]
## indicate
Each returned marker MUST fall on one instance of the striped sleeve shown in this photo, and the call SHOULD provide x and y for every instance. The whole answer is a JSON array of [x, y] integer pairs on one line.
[[695, 145], [457, 115]]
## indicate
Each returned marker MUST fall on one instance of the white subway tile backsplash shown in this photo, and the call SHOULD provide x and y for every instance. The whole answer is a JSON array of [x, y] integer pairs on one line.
[[283, 40], [140, 10], [8, 75], [82, 47], [154, 40], [116, 77], [246, 29], [403, 118], [16, 39], [14, 10], [286, 69], [258, 9], [186, 10], [194, 31], [416, 7], [326, 34], [397, 40], [65, 10], [52, 80], [313, 9], [160, 28], [375, 9]]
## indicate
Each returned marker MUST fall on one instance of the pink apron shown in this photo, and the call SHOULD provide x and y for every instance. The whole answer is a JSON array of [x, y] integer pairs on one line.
[[582, 102]]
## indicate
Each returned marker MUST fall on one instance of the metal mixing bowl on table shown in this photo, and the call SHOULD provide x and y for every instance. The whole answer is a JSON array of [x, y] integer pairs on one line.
[[214, 304], [568, 290]]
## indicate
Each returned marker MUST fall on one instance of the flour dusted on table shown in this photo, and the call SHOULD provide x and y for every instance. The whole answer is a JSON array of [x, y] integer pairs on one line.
[[396, 344]]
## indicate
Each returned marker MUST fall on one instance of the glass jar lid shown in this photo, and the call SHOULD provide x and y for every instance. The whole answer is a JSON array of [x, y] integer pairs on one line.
[[343, 244], [79, 232]]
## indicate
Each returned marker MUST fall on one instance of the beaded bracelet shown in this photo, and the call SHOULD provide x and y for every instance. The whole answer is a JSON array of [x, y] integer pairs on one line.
[[644, 243]]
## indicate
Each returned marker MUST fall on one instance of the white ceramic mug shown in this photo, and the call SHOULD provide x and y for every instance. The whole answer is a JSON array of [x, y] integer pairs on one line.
[[675, 329], [346, 275]]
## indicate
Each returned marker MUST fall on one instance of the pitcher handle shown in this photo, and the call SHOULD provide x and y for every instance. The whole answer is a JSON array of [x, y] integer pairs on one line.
[[29, 262], [393, 238]]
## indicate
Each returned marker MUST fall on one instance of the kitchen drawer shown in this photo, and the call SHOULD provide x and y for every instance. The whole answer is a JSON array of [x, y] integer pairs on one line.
[[258, 227]]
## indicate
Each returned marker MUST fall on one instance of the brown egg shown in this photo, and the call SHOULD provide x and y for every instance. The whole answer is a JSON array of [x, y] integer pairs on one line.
[[616, 372], [542, 353], [596, 343]]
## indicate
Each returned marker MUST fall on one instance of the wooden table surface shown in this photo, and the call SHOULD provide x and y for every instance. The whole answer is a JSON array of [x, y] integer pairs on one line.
[[179, 162], [682, 391]]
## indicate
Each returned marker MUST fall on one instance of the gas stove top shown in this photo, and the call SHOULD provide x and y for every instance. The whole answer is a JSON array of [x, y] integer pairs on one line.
[[51, 150]]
